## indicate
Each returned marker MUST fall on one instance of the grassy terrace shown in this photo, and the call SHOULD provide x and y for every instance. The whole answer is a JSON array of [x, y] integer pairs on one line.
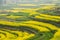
[[30, 24]]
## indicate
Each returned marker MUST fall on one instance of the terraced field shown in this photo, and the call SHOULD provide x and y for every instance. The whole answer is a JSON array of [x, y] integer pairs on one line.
[[28, 24]]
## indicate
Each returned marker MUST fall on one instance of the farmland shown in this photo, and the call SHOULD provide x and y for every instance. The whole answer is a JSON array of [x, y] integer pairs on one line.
[[30, 24]]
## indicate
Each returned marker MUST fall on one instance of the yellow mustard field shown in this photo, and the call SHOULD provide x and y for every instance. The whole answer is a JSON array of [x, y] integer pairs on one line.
[[30, 24]]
